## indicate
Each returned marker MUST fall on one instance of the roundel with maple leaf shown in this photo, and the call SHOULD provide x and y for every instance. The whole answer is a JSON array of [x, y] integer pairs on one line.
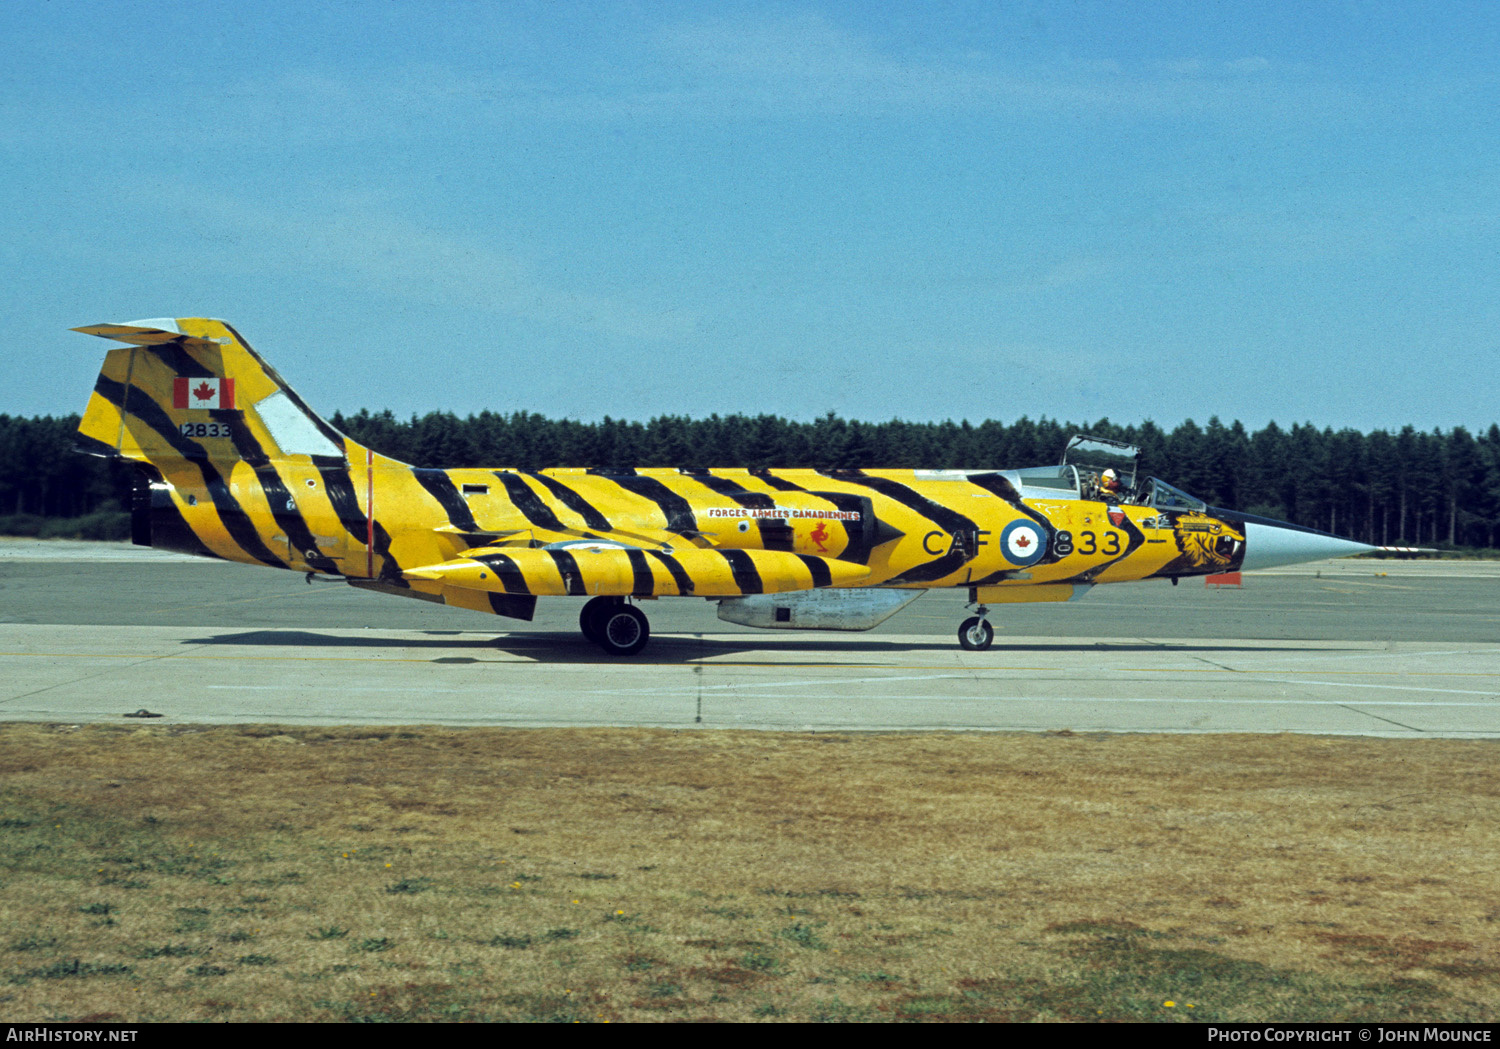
[[1023, 543]]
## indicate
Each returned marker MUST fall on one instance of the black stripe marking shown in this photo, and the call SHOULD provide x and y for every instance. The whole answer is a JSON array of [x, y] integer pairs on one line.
[[184, 365], [567, 567], [341, 494], [236, 522], [996, 484], [149, 412], [862, 540], [245, 444], [510, 576], [679, 575], [819, 568], [775, 533], [516, 606], [779, 483], [529, 503], [1134, 537], [177, 358], [644, 582], [575, 502], [289, 517], [390, 568], [734, 490], [440, 486], [675, 508], [745, 576], [951, 521], [864, 536]]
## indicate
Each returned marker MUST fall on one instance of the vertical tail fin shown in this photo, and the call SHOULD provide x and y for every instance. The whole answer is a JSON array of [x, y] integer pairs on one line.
[[234, 464], [191, 388]]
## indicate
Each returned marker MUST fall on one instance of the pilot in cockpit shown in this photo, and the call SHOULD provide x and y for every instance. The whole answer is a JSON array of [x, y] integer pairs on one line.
[[1111, 489]]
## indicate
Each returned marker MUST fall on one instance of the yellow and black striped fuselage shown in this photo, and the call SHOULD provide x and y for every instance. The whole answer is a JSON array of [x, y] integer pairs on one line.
[[667, 532], [236, 466]]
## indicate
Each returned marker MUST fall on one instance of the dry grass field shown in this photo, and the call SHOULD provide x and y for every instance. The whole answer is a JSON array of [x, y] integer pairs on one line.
[[262, 873]]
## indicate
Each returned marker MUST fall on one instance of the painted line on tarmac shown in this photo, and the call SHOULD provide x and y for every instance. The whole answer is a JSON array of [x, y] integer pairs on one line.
[[1395, 688], [691, 689], [1387, 654], [1159, 700], [336, 688]]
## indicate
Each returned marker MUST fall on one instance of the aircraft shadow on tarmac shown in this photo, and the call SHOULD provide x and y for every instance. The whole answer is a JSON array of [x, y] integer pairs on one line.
[[569, 647]]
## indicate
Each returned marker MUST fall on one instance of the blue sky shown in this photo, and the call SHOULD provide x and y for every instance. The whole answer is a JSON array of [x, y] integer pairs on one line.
[[1161, 211]]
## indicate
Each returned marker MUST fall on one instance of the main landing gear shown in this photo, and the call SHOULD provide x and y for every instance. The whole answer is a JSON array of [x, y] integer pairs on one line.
[[618, 628], [975, 633]]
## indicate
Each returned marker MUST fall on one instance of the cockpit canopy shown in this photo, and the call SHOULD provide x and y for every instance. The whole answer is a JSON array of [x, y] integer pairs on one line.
[[1071, 482], [1079, 475], [1096, 454]]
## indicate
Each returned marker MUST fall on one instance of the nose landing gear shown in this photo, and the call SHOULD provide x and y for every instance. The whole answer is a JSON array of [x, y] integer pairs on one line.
[[618, 628], [975, 633]]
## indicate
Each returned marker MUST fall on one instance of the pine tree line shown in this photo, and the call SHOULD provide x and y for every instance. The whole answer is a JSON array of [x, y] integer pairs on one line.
[[1405, 488]]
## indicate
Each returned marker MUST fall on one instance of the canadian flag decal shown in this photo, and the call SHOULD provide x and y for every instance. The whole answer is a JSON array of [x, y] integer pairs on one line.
[[202, 393]]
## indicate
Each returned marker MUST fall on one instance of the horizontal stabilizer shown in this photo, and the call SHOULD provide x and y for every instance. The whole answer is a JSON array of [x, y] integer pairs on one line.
[[141, 333]]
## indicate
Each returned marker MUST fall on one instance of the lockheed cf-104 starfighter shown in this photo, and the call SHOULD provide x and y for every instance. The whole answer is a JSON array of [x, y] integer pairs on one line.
[[233, 464]]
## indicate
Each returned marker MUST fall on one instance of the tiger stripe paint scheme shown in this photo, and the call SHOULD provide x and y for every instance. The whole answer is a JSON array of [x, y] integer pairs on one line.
[[269, 482]]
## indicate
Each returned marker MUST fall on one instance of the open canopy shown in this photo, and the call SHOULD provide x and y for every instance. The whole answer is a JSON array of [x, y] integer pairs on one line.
[[1097, 454]]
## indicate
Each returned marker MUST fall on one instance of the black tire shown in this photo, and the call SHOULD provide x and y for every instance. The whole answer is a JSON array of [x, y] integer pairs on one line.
[[976, 634], [593, 610], [623, 630]]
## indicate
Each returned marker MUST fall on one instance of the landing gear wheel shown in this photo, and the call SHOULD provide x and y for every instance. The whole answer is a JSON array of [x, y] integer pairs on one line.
[[623, 630], [591, 615], [976, 634]]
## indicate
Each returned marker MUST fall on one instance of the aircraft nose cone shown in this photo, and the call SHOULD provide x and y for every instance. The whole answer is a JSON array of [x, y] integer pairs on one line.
[[1268, 545]]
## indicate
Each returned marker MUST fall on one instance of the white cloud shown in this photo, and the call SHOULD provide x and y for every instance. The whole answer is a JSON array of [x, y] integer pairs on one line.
[[808, 64], [360, 244]]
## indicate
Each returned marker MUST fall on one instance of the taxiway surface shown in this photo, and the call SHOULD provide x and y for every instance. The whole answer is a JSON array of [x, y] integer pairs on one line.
[[95, 632]]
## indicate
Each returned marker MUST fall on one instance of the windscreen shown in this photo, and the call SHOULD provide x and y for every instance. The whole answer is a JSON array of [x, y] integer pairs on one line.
[[1165, 497]]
